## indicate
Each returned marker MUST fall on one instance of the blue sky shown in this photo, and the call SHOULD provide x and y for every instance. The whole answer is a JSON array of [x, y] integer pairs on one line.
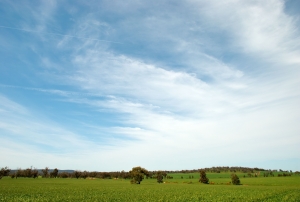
[[109, 85]]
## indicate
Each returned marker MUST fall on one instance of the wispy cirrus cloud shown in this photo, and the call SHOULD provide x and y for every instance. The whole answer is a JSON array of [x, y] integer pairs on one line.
[[259, 28], [186, 78], [27, 135]]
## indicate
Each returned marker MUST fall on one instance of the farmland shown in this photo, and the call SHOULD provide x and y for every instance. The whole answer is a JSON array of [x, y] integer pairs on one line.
[[183, 187]]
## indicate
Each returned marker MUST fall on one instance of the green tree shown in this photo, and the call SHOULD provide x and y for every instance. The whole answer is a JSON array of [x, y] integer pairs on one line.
[[235, 179], [160, 176], [203, 179], [137, 174]]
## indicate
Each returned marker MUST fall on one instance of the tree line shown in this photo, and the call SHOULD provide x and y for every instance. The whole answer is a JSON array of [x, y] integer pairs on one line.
[[219, 169], [136, 174]]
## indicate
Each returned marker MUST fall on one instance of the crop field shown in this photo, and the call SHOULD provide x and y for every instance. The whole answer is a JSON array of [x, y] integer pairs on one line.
[[183, 187]]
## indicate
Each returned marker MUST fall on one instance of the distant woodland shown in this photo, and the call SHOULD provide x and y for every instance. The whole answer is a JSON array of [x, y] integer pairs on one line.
[[56, 173]]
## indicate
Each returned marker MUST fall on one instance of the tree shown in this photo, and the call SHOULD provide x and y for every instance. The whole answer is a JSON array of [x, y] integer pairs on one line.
[[84, 174], [137, 174], [165, 174], [63, 175], [45, 172], [160, 176], [4, 172], [77, 174], [27, 172], [13, 175], [203, 179], [35, 173], [19, 173], [93, 174], [235, 179], [54, 173]]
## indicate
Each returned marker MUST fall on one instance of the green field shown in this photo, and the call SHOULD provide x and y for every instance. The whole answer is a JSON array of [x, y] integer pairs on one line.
[[176, 189]]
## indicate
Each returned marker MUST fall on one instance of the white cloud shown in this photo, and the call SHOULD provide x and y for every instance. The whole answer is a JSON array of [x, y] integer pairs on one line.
[[17, 122], [177, 109], [208, 107], [261, 28], [174, 91]]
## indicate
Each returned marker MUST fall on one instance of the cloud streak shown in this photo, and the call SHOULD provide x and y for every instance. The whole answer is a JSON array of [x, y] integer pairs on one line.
[[187, 81], [57, 34]]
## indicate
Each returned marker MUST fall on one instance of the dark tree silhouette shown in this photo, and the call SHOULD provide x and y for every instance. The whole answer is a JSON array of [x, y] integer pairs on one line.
[[54, 173], [77, 174], [4, 172], [92, 174], [35, 173], [27, 172], [235, 179], [160, 176], [63, 175], [19, 173], [45, 172], [84, 174], [203, 179], [137, 174]]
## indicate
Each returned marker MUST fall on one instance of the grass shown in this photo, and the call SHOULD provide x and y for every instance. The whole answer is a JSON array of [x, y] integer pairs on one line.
[[176, 189]]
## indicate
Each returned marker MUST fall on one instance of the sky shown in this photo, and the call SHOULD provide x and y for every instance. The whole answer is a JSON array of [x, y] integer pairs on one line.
[[167, 85]]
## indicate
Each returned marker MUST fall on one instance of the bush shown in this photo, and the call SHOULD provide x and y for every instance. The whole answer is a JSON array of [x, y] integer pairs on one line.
[[63, 175], [203, 179], [159, 177], [235, 179]]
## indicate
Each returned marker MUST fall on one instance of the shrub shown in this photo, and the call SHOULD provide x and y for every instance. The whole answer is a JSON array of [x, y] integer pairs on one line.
[[159, 176], [63, 175], [235, 179], [203, 179]]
